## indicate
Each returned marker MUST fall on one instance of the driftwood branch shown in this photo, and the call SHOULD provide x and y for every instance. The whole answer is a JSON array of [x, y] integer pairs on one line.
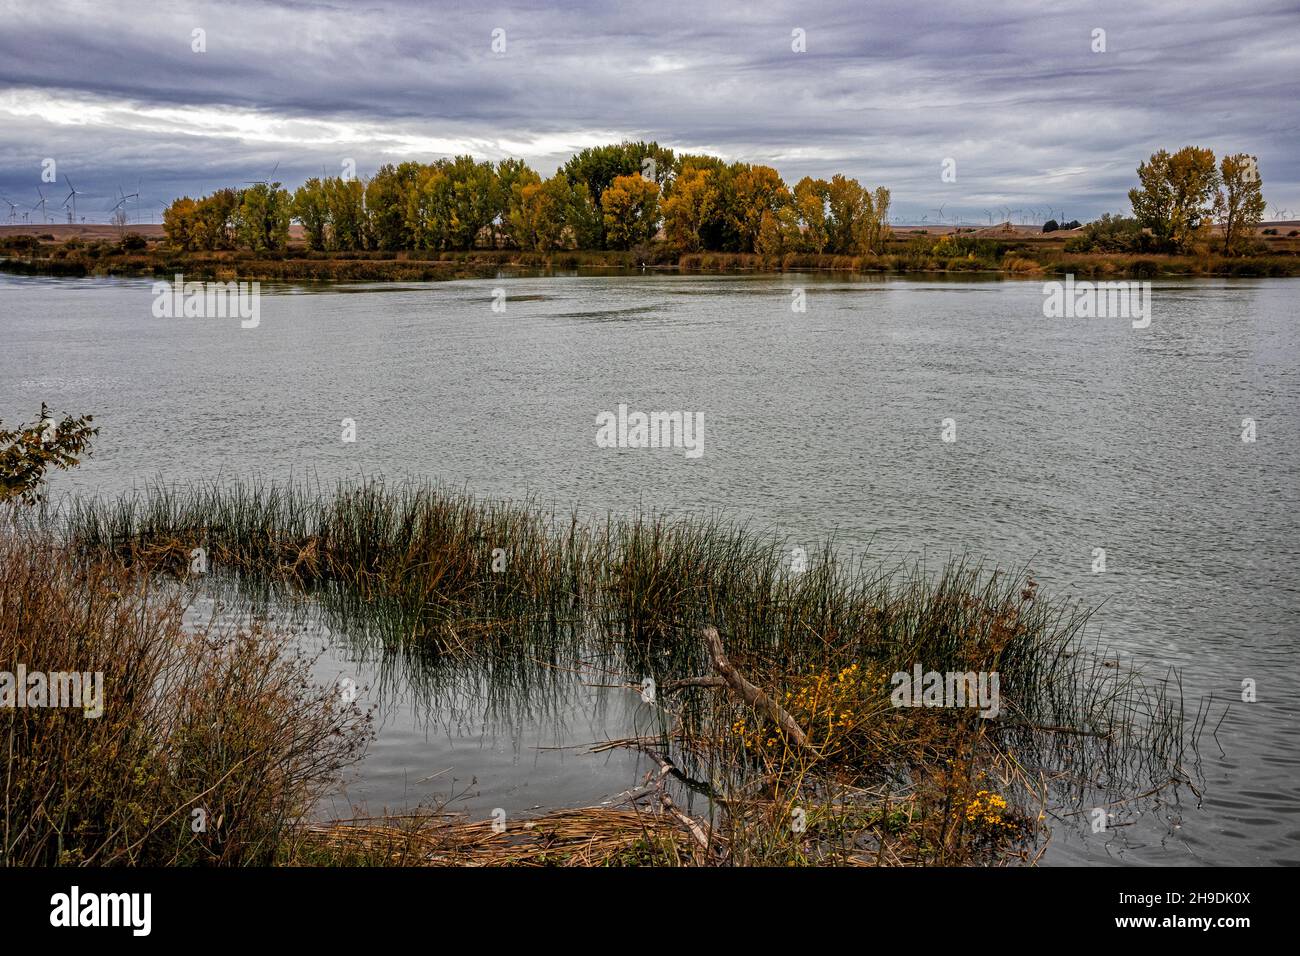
[[752, 695]]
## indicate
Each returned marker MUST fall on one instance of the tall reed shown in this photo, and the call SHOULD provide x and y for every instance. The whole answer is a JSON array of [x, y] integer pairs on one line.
[[524, 587]]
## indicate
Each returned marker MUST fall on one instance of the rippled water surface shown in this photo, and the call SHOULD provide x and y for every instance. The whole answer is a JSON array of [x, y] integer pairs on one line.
[[1071, 435]]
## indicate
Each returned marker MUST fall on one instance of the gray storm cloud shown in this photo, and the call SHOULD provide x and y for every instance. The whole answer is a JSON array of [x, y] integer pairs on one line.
[[885, 92]]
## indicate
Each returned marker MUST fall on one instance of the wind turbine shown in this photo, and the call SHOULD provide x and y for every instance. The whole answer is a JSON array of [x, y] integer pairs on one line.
[[41, 204], [112, 213], [124, 198], [13, 210], [989, 213], [72, 194], [262, 182]]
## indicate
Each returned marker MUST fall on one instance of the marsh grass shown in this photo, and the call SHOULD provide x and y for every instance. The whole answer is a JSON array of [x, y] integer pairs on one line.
[[631, 595]]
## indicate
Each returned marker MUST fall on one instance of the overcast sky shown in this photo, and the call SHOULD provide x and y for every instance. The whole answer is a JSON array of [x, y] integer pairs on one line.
[[113, 91]]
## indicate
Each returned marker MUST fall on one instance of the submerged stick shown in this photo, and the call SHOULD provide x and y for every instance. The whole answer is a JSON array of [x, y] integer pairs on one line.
[[666, 769]]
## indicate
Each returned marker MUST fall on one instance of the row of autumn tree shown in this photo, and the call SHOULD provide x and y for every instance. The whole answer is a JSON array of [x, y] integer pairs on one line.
[[605, 197]]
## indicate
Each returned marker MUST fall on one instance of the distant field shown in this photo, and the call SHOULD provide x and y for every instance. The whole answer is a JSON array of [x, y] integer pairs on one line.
[[88, 230], [92, 230]]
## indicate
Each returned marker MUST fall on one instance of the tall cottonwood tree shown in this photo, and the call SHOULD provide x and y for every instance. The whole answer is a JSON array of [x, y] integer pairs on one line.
[[262, 219], [1239, 206], [631, 208], [311, 208], [542, 217], [811, 197], [387, 194], [688, 206], [597, 167], [180, 224], [1175, 195], [451, 203], [756, 191], [346, 200]]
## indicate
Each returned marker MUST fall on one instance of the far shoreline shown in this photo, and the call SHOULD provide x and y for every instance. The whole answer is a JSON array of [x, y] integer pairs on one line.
[[1003, 251]]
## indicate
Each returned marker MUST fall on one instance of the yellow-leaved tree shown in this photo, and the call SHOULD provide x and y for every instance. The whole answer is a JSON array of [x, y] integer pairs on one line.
[[1239, 206], [1175, 196], [631, 208]]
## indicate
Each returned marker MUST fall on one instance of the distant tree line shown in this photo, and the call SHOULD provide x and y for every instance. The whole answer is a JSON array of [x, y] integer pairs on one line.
[[255, 218], [622, 195], [605, 197]]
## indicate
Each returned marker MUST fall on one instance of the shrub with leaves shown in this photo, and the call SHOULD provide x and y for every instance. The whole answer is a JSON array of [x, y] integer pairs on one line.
[[29, 451], [210, 745]]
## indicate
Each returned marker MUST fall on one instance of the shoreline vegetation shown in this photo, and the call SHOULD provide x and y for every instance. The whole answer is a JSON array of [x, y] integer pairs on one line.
[[640, 206], [921, 255], [772, 738]]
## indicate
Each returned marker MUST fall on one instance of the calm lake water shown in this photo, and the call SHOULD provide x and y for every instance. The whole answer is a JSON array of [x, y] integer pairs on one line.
[[1071, 435]]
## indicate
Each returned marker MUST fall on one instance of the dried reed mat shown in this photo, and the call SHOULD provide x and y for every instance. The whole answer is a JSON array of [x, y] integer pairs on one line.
[[589, 836]]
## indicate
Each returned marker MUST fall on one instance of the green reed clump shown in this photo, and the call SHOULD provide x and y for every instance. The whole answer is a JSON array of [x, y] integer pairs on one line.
[[504, 574], [411, 543]]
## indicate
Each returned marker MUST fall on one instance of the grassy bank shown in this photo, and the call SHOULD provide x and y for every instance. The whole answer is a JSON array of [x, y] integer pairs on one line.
[[907, 253], [783, 732]]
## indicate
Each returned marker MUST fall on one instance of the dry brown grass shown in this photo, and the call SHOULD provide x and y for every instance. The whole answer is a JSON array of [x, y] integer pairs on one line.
[[211, 746], [591, 836]]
